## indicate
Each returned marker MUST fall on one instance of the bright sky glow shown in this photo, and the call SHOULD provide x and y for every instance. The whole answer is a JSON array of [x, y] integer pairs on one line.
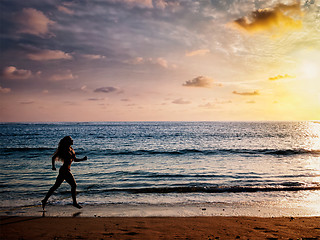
[[159, 60], [310, 70]]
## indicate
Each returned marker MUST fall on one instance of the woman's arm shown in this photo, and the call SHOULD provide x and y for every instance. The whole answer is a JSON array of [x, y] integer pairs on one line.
[[54, 162], [80, 159]]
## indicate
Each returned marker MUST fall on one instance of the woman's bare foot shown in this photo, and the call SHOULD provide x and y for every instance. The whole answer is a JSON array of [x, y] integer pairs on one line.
[[76, 205]]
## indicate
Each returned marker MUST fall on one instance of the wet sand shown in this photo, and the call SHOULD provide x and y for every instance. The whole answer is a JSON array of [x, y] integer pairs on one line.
[[13, 227]]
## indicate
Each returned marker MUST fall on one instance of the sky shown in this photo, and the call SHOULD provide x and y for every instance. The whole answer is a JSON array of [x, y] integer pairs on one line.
[[159, 60]]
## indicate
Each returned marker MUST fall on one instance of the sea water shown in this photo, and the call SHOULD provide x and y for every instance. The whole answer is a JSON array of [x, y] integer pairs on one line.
[[168, 168]]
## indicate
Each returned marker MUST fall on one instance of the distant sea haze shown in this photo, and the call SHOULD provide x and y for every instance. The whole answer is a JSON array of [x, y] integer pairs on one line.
[[157, 163]]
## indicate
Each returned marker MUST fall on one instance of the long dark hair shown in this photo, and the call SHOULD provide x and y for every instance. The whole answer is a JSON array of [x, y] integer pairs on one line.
[[64, 149]]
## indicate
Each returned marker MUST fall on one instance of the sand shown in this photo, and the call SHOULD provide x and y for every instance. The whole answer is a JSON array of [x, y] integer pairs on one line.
[[159, 228]]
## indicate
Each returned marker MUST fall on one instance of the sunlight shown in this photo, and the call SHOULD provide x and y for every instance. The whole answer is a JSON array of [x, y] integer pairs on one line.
[[310, 70], [314, 136], [310, 201], [309, 61], [307, 84], [312, 165]]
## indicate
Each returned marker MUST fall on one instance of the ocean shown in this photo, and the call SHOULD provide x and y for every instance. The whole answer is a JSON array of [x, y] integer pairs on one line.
[[165, 168]]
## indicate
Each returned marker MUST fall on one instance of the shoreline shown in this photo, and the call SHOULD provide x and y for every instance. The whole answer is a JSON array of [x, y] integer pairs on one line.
[[161, 210], [159, 227]]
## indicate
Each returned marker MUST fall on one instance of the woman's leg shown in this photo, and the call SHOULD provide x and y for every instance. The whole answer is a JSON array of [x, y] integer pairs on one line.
[[70, 179], [57, 184]]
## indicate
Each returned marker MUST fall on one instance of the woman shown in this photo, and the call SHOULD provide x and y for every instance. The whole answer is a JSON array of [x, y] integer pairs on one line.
[[66, 154]]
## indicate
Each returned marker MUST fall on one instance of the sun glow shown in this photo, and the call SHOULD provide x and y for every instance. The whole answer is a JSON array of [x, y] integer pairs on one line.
[[309, 62], [307, 84], [310, 70]]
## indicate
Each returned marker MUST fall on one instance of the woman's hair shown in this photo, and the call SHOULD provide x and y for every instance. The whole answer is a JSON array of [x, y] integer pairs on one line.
[[63, 150]]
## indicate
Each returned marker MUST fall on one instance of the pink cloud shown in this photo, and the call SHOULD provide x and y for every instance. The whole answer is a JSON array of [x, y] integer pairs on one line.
[[181, 101], [4, 90], [65, 10], [84, 88], [33, 22], [159, 4], [154, 61], [63, 76], [162, 62], [137, 60], [200, 52], [137, 3], [46, 54], [12, 72], [93, 56]]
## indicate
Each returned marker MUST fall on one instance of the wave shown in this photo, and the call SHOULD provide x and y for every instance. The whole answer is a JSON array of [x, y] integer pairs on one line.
[[25, 149], [112, 152], [275, 152], [219, 189]]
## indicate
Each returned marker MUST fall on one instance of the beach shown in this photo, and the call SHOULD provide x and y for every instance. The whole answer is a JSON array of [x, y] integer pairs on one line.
[[159, 228], [163, 180]]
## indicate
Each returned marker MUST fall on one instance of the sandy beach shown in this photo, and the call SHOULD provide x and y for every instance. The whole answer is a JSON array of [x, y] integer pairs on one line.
[[159, 228]]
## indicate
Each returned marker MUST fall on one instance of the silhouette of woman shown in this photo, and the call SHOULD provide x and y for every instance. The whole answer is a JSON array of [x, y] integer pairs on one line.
[[66, 154]]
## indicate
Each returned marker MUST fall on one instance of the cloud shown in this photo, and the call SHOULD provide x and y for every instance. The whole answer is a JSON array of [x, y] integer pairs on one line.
[[12, 72], [33, 22], [148, 4], [280, 77], [215, 104], [254, 93], [66, 10], [131, 105], [161, 4], [200, 81], [107, 90], [181, 101], [27, 102], [71, 103], [208, 105], [280, 18], [154, 61], [46, 54], [136, 3], [93, 56], [96, 99], [63, 76], [200, 52], [137, 60], [162, 62], [4, 90], [84, 88]]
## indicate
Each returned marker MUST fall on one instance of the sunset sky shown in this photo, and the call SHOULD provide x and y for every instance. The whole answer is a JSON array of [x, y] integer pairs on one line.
[[159, 60]]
